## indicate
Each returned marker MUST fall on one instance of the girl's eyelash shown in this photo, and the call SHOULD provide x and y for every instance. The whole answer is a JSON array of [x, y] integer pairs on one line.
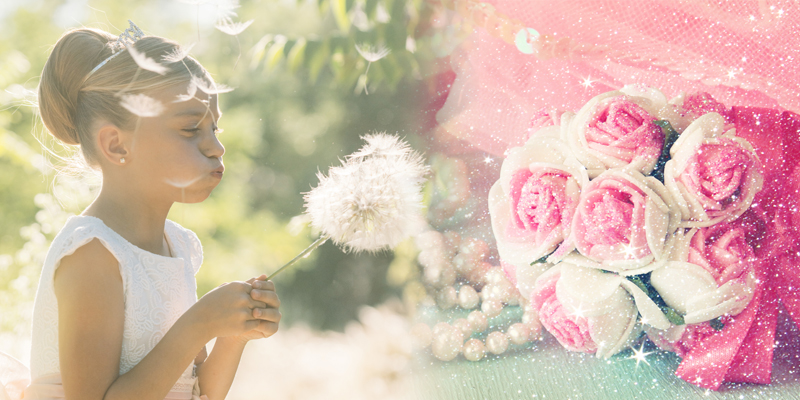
[[217, 130]]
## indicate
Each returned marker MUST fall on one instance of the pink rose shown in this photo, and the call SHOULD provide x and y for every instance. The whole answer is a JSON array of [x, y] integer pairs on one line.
[[681, 339], [616, 130], [699, 104], [712, 275], [591, 311], [625, 221], [571, 331], [723, 251], [713, 175], [533, 202]]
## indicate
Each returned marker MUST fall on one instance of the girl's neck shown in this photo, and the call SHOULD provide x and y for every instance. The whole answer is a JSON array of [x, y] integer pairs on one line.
[[133, 219]]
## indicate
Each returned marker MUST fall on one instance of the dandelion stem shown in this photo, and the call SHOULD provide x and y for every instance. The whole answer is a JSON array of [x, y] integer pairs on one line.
[[322, 239], [365, 78]]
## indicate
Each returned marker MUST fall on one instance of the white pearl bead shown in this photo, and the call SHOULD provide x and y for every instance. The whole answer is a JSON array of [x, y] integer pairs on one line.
[[452, 241], [464, 263], [464, 326], [467, 297], [421, 335], [492, 308], [447, 276], [478, 321], [474, 350], [497, 342], [474, 247], [518, 333], [447, 341], [447, 298]]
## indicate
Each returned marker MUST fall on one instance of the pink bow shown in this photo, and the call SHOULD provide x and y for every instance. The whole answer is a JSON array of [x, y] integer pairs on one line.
[[742, 350]]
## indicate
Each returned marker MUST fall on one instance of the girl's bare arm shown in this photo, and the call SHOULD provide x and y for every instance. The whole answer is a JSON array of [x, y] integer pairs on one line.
[[91, 314]]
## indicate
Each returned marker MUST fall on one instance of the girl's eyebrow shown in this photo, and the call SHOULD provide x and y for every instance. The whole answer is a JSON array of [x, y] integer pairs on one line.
[[195, 113]]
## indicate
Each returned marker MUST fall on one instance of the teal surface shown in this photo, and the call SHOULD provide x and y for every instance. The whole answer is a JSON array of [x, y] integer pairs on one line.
[[545, 370]]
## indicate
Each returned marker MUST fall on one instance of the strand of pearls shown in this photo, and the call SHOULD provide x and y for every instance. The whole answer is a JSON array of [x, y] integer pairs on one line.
[[446, 258]]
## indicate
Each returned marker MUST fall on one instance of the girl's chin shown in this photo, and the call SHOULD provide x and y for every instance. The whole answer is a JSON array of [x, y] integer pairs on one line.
[[195, 195]]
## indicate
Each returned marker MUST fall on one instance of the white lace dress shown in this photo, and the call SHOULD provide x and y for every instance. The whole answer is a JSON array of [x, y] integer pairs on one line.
[[157, 290]]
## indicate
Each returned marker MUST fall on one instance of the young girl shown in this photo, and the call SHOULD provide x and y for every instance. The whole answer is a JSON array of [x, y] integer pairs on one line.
[[116, 313]]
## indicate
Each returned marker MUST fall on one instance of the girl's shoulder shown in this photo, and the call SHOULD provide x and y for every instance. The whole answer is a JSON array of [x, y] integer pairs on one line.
[[79, 230], [82, 229]]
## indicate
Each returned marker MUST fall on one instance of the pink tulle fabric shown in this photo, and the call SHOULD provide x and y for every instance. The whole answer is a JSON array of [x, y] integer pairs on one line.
[[742, 53]]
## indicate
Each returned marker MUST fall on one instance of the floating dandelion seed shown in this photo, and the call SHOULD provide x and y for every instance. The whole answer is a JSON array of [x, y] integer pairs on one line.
[[232, 28], [371, 54], [145, 62], [210, 88], [372, 201], [177, 54], [142, 105], [226, 10], [191, 91]]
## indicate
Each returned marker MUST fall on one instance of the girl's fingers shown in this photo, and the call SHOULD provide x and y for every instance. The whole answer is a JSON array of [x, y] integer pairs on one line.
[[267, 296], [264, 285], [267, 314], [254, 304], [267, 328]]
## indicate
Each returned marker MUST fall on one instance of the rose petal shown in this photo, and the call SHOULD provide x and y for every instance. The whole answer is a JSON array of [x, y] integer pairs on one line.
[[680, 282]]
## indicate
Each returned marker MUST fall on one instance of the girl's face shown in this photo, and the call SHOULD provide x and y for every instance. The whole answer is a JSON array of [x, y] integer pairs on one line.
[[177, 155]]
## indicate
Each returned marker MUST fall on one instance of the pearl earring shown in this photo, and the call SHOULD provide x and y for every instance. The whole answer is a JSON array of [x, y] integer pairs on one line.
[[122, 160]]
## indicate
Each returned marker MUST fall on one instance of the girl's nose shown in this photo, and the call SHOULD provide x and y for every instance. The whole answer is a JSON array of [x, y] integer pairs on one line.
[[214, 148]]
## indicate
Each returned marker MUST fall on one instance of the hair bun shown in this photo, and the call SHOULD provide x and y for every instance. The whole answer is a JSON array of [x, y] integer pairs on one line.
[[74, 55]]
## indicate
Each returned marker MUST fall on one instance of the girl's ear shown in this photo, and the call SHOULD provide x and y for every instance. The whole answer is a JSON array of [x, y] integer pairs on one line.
[[112, 144]]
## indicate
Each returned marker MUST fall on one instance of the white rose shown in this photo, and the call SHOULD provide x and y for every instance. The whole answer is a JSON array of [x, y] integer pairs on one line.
[[533, 202]]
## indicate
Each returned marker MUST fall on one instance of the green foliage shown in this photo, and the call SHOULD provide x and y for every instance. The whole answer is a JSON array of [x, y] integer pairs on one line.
[[390, 23]]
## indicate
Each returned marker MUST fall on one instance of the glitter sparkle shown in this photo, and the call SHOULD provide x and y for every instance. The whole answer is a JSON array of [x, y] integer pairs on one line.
[[640, 355]]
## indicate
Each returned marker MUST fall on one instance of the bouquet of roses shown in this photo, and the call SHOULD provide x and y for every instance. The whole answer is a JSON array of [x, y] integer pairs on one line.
[[640, 213]]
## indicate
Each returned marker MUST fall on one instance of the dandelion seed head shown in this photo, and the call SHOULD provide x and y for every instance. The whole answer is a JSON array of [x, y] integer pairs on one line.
[[374, 200]]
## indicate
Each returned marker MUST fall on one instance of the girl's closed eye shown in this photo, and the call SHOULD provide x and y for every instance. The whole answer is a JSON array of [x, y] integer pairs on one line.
[[194, 130]]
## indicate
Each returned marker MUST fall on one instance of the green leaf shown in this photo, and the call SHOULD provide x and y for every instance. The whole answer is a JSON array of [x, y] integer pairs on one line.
[[717, 324], [259, 50], [320, 58], [339, 10], [670, 136], [673, 316], [295, 57], [275, 53]]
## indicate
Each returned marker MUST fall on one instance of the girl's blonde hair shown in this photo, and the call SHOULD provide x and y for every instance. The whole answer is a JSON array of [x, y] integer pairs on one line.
[[70, 99]]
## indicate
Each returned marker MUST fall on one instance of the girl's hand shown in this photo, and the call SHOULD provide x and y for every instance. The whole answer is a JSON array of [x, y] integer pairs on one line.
[[268, 316], [227, 310]]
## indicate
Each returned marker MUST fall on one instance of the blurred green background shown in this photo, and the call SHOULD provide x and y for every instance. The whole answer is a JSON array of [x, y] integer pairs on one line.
[[300, 104]]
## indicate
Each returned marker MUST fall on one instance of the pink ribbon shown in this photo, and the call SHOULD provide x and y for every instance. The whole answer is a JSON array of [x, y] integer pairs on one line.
[[742, 350]]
